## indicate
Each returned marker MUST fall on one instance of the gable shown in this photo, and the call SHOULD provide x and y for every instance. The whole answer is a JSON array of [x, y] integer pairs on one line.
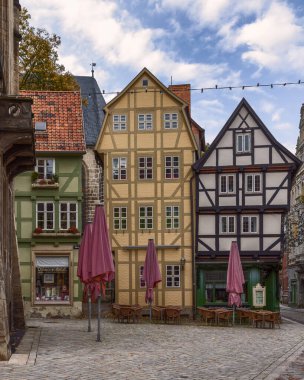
[[264, 148]]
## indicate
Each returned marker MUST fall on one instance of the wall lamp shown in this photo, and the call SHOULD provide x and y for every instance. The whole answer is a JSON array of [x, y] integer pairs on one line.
[[182, 262]]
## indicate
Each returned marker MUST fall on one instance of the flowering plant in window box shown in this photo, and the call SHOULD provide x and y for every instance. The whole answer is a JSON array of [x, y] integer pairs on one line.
[[73, 230], [38, 230]]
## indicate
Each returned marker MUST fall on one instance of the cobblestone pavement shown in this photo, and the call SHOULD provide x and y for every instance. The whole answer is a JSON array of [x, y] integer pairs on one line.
[[63, 349]]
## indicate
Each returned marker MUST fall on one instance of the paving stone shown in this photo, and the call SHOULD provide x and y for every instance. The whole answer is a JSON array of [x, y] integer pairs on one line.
[[65, 350]]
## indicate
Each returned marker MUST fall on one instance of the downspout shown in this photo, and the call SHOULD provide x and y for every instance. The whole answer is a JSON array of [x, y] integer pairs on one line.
[[193, 235]]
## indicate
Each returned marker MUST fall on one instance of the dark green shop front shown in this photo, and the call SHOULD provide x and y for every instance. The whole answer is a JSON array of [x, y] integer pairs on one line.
[[211, 285]]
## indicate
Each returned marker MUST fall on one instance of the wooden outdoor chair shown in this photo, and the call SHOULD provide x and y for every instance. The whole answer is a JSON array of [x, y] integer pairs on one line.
[[256, 319], [224, 317], [137, 309], [243, 315], [172, 314], [115, 311], [156, 313], [125, 314], [273, 319], [206, 315]]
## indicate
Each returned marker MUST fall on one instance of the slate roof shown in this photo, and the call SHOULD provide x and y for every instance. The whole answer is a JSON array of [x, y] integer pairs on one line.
[[61, 110], [92, 108]]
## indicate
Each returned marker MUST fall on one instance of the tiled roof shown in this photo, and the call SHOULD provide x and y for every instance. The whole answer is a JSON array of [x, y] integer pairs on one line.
[[92, 108], [61, 110]]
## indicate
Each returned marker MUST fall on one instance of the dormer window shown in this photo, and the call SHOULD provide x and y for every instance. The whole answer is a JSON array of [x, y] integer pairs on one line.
[[40, 126], [243, 143]]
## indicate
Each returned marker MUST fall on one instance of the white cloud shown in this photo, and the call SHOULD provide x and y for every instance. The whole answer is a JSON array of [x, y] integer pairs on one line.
[[120, 40], [283, 126]]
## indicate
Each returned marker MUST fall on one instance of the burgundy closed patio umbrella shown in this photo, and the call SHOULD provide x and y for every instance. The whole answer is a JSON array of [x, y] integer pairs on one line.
[[84, 267], [235, 277], [102, 259], [151, 274]]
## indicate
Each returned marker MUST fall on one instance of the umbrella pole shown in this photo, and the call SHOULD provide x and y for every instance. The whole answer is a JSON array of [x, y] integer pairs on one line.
[[89, 311], [150, 311], [233, 315], [98, 318]]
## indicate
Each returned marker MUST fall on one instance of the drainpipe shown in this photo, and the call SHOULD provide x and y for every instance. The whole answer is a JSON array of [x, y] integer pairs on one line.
[[193, 235]]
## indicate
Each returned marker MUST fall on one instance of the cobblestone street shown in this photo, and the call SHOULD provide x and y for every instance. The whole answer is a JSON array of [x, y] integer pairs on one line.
[[63, 349]]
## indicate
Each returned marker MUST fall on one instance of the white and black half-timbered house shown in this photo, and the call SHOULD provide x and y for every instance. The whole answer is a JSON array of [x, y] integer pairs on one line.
[[242, 193]]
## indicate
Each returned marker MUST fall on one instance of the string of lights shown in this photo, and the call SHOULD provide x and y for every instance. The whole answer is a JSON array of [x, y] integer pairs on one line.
[[201, 89]]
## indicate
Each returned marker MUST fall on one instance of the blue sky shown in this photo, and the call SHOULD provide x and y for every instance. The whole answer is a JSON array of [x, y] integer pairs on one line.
[[201, 42]]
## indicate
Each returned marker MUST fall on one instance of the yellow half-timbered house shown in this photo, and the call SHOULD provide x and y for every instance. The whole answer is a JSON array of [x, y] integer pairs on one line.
[[147, 147]]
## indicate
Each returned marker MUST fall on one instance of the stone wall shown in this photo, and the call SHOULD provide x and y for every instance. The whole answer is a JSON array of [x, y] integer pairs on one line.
[[92, 184]]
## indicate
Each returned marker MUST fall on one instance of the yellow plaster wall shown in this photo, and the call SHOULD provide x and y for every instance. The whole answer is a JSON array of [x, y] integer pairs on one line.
[[26, 229]]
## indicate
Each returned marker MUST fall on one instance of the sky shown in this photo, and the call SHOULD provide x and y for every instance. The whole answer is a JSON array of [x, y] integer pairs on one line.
[[201, 42]]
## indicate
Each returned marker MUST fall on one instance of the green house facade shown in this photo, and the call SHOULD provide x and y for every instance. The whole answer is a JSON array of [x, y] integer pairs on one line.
[[48, 209]]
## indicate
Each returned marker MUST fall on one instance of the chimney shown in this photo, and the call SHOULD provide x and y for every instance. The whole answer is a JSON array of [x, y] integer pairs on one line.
[[183, 91]]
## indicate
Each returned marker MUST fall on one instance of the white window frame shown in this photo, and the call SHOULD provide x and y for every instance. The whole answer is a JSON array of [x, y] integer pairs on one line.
[[142, 283], [45, 215], [250, 218], [43, 174], [224, 180], [120, 221], [171, 167], [145, 169], [172, 217], [145, 122], [253, 190], [228, 218], [68, 212], [119, 122], [120, 169], [170, 120], [145, 221], [241, 138], [173, 276]]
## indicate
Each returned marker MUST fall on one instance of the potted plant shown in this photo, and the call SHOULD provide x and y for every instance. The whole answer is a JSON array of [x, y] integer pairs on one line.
[[55, 178], [73, 230], [38, 230], [35, 176]]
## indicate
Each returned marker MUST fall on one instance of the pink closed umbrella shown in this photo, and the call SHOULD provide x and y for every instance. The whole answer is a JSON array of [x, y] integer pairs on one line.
[[151, 274], [235, 277], [102, 259]]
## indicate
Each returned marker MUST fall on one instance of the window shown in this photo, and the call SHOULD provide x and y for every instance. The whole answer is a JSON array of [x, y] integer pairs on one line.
[[172, 217], [45, 215], [215, 288], [119, 168], [145, 121], [142, 283], [120, 218], [250, 224], [171, 167], [243, 143], [170, 120], [145, 82], [52, 279], [40, 126], [68, 215], [227, 184], [145, 167], [227, 224], [173, 276], [253, 183], [119, 122], [45, 168], [146, 217]]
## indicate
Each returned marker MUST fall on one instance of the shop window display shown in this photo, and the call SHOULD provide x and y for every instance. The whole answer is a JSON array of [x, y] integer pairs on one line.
[[52, 279]]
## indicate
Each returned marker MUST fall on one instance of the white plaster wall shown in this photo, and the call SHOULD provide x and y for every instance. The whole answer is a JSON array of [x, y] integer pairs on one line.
[[206, 225], [275, 179], [249, 243], [226, 140], [261, 155], [209, 241], [276, 158], [236, 123], [251, 122], [208, 180], [253, 200], [272, 224], [225, 243], [260, 138], [203, 200], [225, 157], [243, 160], [211, 160], [268, 241], [227, 201]]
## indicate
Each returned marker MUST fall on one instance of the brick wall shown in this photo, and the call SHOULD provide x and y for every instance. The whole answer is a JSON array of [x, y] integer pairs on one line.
[[183, 91]]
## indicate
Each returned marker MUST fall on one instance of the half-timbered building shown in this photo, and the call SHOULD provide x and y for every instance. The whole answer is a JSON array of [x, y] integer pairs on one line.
[[243, 192], [148, 147]]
